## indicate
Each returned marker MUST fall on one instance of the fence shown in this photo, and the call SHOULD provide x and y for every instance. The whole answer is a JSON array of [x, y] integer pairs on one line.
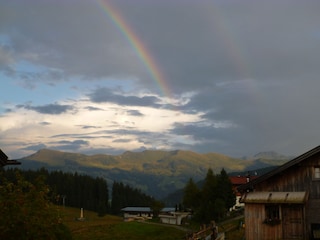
[[207, 232]]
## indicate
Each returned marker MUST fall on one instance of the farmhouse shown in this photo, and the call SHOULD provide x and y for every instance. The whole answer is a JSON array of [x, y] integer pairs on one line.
[[285, 203], [136, 213], [167, 215], [238, 181], [171, 216]]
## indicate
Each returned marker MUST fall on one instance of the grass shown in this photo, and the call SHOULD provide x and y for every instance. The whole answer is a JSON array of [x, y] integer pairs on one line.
[[232, 229], [112, 227]]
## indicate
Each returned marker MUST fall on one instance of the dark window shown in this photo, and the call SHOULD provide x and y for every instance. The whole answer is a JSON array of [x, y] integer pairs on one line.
[[272, 213]]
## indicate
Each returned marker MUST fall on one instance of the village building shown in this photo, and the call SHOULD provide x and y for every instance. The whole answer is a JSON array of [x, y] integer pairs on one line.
[[167, 215], [236, 182], [285, 202], [171, 216], [136, 213]]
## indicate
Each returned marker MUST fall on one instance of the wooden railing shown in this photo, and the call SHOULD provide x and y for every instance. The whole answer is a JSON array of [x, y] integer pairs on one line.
[[207, 232]]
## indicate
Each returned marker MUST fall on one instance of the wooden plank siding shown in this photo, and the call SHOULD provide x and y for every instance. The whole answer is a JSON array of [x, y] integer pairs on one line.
[[254, 227], [297, 220]]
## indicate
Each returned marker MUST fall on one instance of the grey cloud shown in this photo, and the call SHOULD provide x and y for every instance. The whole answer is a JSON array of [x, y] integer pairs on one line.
[[45, 123], [90, 108], [106, 95], [122, 140], [35, 147], [251, 63], [54, 109], [134, 113], [70, 145], [88, 126]]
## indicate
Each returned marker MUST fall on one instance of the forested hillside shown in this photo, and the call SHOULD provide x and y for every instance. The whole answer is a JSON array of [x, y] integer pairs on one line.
[[83, 191], [157, 173]]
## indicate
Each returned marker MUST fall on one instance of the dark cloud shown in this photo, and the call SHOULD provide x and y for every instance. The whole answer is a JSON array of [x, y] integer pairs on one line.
[[66, 145], [249, 65], [122, 140], [35, 147], [134, 113], [88, 126], [45, 123], [90, 108], [106, 95], [54, 109]]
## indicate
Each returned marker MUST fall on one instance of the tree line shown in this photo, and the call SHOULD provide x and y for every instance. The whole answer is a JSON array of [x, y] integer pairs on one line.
[[212, 200], [83, 191]]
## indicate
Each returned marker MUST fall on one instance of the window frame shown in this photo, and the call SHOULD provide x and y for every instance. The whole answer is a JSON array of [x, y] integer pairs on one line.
[[316, 172], [272, 214]]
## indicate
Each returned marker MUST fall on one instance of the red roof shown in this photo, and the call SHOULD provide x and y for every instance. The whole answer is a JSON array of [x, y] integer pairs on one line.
[[240, 180]]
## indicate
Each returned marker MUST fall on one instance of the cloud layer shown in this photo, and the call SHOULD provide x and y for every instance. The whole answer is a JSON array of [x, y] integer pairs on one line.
[[243, 76]]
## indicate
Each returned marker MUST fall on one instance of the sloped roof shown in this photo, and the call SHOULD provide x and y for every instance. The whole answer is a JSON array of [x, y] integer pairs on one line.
[[146, 209], [4, 160], [136, 209], [275, 197], [280, 169]]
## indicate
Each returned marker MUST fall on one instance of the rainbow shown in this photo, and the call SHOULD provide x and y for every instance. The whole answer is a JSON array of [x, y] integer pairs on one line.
[[233, 50], [137, 45]]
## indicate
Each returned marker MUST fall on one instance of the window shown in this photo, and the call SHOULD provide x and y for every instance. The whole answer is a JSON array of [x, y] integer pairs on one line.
[[317, 172], [272, 214]]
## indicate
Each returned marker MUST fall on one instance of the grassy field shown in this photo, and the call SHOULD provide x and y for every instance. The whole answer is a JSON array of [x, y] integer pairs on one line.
[[112, 227]]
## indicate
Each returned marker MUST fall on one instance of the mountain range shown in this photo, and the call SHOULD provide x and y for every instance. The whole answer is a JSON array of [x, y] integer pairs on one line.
[[156, 172]]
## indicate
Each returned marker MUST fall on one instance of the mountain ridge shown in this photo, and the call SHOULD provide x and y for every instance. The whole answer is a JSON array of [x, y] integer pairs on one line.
[[157, 172]]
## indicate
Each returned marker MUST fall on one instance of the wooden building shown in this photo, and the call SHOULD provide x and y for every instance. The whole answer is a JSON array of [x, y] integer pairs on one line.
[[136, 213], [236, 182], [285, 203], [4, 160]]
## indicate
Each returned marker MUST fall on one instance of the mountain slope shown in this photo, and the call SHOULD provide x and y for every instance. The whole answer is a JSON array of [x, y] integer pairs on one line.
[[154, 171]]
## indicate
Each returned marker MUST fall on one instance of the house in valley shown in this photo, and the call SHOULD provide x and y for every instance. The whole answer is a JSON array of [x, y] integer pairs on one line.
[[171, 216], [136, 213], [167, 215], [285, 202], [236, 182]]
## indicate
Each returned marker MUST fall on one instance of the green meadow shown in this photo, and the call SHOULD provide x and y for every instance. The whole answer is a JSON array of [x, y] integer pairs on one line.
[[113, 227]]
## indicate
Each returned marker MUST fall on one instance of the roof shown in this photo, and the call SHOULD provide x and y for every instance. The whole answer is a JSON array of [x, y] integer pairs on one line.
[[168, 209], [146, 209], [4, 160], [136, 209], [275, 197], [240, 180], [281, 168]]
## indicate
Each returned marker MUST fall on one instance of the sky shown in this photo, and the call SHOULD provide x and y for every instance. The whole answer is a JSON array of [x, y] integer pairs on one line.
[[226, 76]]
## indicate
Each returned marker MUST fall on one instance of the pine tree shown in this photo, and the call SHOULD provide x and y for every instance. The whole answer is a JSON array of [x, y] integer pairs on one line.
[[224, 188], [191, 197]]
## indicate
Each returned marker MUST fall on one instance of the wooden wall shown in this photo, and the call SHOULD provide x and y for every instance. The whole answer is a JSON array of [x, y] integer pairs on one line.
[[254, 226], [299, 177]]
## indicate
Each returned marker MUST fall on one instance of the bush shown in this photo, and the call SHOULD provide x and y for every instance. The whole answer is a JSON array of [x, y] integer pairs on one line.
[[26, 213]]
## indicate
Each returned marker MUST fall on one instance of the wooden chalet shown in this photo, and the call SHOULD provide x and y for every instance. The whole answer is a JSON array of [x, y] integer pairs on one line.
[[4, 160], [285, 203]]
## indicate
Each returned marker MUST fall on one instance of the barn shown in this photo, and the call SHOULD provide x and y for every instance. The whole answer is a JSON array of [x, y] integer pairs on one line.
[[285, 202]]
